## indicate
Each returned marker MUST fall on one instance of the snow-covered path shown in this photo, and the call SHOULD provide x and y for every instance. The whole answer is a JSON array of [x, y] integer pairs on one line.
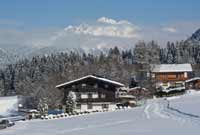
[[152, 119]]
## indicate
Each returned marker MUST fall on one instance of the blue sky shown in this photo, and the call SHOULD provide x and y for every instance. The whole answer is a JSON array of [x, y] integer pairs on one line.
[[96, 23], [59, 13]]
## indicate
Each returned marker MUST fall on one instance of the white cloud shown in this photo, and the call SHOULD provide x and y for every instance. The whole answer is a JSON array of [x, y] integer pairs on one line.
[[103, 33], [170, 29], [113, 28], [112, 21]]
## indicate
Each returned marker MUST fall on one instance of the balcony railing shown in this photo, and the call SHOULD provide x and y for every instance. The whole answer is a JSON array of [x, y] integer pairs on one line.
[[98, 100]]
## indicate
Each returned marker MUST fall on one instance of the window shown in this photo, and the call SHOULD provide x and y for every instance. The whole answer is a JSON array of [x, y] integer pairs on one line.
[[89, 95], [95, 95], [104, 106], [78, 106], [84, 95], [153, 75], [103, 95], [165, 84], [179, 85], [165, 77], [96, 85], [172, 76], [106, 86], [83, 85], [185, 74], [89, 106], [148, 74], [78, 95]]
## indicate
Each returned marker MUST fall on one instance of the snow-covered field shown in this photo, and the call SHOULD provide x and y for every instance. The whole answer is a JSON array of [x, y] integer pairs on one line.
[[155, 118], [190, 103], [8, 105]]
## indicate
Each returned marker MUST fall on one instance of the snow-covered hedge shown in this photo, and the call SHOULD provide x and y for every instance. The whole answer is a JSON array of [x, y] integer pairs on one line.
[[64, 115]]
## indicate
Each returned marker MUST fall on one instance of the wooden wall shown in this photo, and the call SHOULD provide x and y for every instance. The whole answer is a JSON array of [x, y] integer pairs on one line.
[[170, 77]]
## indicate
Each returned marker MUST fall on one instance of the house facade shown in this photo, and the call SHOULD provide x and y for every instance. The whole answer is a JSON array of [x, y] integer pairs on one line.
[[169, 76], [92, 93]]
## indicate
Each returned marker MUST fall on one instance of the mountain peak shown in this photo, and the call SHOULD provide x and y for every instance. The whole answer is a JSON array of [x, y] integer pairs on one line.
[[195, 36]]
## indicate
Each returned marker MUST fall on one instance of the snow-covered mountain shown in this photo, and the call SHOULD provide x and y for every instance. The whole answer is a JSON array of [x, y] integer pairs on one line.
[[195, 38], [77, 43]]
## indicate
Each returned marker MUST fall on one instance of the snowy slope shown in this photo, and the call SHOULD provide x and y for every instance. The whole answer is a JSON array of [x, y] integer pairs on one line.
[[8, 105], [153, 119], [188, 103]]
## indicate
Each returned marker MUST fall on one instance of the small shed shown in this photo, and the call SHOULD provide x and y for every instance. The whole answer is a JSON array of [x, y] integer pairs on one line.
[[193, 83], [139, 92]]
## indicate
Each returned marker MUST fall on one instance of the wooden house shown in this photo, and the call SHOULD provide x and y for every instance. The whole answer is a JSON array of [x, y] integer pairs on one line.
[[193, 83], [168, 76], [92, 93]]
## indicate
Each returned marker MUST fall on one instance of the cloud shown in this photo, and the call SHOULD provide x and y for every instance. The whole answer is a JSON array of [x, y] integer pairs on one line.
[[103, 33], [112, 21], [113, 28], [170, 29]]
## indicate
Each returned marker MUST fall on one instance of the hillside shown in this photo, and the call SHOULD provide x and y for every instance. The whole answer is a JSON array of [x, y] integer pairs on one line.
[[152, 119], [195, 38], [37, 76]]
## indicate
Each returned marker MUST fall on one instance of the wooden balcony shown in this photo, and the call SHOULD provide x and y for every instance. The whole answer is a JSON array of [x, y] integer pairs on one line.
[[168, 77], [89, 100]]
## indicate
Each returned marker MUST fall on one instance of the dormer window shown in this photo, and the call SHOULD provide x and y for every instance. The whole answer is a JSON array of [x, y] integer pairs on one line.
[[73, 86], [106, 86], [103, 95], [83, 85], [96, 85]]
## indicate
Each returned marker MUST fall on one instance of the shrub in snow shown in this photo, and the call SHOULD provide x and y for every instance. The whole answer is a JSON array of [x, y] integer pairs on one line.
[[65, 114], [58, 116], [62, 115], [51, 116], [42, 106], [71, 102], [46, 117], [42, 117], [76, 113], [125, 107], [81, 113]]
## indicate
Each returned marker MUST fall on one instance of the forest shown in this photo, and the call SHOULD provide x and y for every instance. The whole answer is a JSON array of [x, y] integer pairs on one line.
[[37, 77]]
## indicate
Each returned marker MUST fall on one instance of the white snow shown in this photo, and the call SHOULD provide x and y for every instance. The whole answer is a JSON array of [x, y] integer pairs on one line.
[[8, 105], [156, 117], [188, 103], [171, 68]]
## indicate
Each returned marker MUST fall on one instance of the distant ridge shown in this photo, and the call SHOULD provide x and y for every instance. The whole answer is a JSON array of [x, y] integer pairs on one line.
[[195, 37]]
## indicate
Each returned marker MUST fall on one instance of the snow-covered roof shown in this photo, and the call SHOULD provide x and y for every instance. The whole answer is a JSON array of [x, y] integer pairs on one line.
[[127, 96], [192, 79], [136, 88], [171, 68], [90, 76], [174, 89]]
